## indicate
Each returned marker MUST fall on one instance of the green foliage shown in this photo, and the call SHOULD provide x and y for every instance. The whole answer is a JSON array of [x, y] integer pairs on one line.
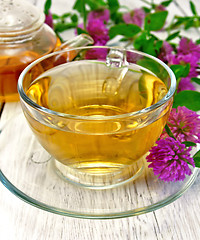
[[95, 5], [78, 6], [198, 41], [152, 46], [196, 80], [115, 15], [186, 22], [113, 6], [155, 21], [148, 43], [196, 158], [166, 3], [47, 6], [80, 31], [147, 10], [74, 18], [169, 132], [173, 35], [187, 98], [180, 70], [127, 30], [91, 4], [61, 27], [193, 8], [189, 144], [64, 22]]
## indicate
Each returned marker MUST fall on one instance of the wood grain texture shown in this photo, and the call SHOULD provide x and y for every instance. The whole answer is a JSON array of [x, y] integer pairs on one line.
[[20, 221]]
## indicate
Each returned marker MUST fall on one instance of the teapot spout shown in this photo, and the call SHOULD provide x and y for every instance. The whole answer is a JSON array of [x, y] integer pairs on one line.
[[78, 41]]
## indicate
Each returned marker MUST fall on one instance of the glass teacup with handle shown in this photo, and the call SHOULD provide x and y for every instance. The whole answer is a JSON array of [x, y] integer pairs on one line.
[[97, 111]]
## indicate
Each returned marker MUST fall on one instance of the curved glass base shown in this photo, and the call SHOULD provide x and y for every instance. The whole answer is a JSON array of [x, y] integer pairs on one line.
[[95, 180], [28, 172]]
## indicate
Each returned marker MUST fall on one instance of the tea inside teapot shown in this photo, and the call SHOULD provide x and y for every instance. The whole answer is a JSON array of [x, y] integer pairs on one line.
[[24, 37]]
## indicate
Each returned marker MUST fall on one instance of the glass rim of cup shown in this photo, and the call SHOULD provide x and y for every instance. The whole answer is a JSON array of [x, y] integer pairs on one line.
[[169, 95]]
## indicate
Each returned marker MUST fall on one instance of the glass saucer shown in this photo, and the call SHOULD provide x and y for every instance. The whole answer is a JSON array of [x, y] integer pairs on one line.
[[27, 171]]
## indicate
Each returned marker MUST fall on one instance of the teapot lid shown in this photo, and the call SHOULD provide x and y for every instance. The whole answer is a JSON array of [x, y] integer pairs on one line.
[[19, 17]]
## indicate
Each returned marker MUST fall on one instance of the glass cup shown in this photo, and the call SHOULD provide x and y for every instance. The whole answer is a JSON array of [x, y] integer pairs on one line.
[[97, 111]]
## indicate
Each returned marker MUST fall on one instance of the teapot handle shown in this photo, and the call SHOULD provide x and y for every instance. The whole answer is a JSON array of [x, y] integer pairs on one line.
[[79, 41]]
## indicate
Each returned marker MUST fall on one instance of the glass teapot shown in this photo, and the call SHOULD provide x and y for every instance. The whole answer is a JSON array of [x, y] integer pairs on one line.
[[24, 37]]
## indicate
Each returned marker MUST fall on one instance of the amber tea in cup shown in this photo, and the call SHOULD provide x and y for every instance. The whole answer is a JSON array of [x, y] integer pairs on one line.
[[97, 114]]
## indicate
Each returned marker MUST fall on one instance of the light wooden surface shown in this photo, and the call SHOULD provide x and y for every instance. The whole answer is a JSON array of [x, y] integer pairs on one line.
[[178, 221]]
